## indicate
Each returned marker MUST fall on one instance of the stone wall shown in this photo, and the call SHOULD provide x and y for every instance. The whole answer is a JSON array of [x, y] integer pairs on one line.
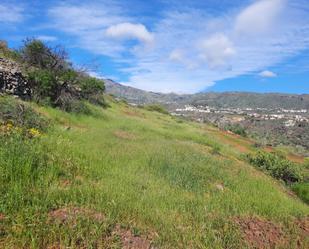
[[12, 81]]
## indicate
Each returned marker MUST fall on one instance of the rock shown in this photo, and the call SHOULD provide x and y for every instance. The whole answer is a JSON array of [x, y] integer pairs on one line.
[[219, 187], [12, 80]]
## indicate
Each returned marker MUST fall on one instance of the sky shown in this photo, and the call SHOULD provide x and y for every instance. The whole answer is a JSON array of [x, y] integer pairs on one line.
[[176, 46]]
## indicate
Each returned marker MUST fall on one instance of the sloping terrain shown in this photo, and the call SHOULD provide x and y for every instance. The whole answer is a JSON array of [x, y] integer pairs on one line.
[[273, 118], [220, 100], [125, 177]]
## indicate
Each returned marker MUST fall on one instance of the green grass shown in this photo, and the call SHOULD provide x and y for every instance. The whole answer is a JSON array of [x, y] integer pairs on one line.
[[302, 190], [141, 169]]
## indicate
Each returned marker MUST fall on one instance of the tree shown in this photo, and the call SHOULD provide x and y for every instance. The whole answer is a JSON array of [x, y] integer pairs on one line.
[[54, 80], [36, 53]]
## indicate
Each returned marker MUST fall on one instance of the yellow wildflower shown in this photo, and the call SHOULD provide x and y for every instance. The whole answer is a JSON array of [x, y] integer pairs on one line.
[[34, 132]]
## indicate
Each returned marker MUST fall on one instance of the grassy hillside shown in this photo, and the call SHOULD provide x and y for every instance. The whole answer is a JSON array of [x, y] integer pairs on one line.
[[127, 177]]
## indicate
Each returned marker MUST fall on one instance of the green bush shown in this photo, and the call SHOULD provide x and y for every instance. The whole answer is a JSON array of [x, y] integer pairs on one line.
[[98, 99], [44, 85], [20, 114], [156, 108], [54, 81], [76, 106], [92, 89], [277, 166], [237, 129], [90, 86]]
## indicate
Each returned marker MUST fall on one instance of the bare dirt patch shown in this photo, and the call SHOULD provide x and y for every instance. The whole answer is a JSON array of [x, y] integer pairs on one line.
[[131, 241], [2, 217], [133, 113], [65, 183], [71, 214], [124, 135], [303, 226], [260, 233], [296, 158], [239, 143]]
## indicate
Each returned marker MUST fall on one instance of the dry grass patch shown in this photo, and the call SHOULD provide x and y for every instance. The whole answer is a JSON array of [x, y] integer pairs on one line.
[[124, 135], [71, 214], [133, 113]]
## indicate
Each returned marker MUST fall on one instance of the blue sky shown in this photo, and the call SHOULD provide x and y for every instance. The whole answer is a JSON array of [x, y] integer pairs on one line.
[[175, 46]]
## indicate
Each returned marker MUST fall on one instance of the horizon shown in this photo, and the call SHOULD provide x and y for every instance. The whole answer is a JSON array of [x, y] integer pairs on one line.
[[253, 46], [206, 91]]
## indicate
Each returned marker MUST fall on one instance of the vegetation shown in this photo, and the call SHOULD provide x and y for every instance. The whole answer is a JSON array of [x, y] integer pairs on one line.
[[156, 108], [74, 180], [237, 129], [53, 79], [277, 166], [6, 52], [20, 114], [140, 170], [293, 174], [302, 190]]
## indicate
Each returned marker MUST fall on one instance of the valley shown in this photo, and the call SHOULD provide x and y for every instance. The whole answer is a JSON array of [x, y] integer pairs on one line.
[[271, 119]]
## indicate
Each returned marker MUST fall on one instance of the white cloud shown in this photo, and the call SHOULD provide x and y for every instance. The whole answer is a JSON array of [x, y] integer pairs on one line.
[[47, 38], [11, 13], [96, 75], [96, 26], [192, 48], [216, 50], [259, 17], [129, 31], [267, 74], [177, 55], [231, 51]]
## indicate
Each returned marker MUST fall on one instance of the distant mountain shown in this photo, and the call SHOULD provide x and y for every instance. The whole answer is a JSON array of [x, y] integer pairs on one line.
[[138, 96], [225, 99]]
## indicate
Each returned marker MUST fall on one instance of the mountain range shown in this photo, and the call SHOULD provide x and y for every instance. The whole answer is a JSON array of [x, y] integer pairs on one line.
[[215, 99]]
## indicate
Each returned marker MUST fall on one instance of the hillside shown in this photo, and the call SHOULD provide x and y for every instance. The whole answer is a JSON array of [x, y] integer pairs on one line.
[[125, 177], [272, 119], [80, 168], [225, 99]]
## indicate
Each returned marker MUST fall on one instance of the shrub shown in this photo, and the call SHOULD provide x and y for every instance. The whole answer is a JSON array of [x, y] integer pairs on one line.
[[54, 81], [90, 86], [76, 106], [92, 89], [156, 108], [20, 114], [98, 99], [44, 85], [277, 166], [36, 53], [8, 53], [237, 129]]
